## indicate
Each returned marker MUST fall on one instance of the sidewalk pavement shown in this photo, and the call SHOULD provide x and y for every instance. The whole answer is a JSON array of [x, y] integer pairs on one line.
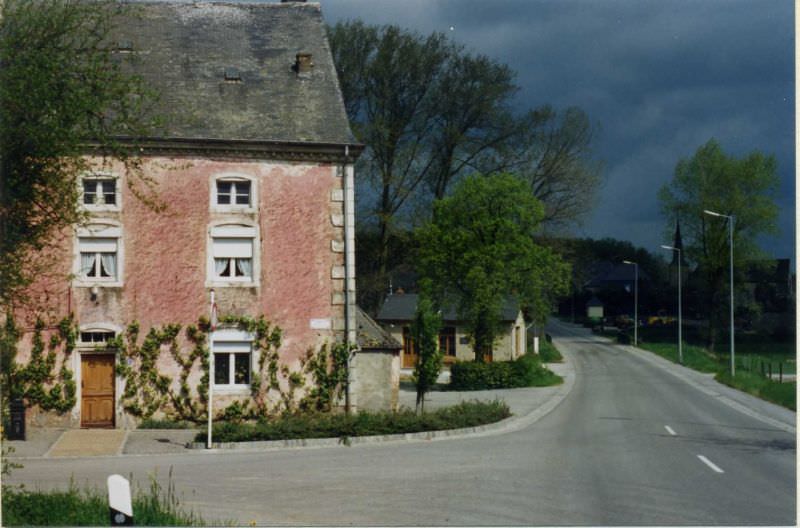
[[527, 405]]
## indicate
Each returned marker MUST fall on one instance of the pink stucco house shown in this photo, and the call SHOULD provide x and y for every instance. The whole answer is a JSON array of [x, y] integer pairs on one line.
[[256, 168]]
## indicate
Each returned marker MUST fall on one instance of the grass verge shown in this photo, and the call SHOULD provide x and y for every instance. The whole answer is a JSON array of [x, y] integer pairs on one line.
[[761, 387], [694, 357], [752, 356], [465, 414], [76, 507]]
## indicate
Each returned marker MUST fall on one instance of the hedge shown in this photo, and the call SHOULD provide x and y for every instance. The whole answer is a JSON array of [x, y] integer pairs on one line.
[[525, 371], [333, 425]]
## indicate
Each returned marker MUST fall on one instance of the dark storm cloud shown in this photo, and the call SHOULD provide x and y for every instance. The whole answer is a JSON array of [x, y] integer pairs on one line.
[[660, 78]]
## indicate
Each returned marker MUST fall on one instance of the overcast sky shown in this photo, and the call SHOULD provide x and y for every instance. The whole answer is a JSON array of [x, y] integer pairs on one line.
[[660, 78]]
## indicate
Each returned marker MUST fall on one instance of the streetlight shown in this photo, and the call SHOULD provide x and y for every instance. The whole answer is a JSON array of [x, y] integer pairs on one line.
[[680, 305], [730, 243], [635, 301]]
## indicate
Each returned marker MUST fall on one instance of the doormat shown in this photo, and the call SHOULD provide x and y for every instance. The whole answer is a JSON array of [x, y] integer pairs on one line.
[[89, 442]]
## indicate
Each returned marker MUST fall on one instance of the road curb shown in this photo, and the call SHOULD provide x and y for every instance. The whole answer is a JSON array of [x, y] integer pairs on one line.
[[508, 425]]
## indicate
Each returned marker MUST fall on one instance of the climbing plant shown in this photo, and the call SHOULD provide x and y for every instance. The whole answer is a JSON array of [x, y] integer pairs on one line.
[[329, 376], [275, 388], [39, 382]]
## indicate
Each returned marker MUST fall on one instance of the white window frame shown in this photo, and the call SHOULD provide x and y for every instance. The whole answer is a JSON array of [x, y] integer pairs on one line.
[[98, 231], [233, 232], [233, 178], [232, 341], [104, 327], [97, 177]]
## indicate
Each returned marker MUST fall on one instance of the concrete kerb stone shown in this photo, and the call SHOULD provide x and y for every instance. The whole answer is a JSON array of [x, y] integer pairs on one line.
[[508, 425]]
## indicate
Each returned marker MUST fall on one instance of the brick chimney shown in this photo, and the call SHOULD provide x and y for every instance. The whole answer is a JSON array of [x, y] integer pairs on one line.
[[303, 64]]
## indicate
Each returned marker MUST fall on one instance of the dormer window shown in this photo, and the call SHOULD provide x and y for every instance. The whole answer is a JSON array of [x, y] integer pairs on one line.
[[233, 192]]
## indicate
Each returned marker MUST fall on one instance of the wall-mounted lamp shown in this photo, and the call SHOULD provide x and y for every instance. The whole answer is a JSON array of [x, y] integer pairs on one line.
[[94, 291]]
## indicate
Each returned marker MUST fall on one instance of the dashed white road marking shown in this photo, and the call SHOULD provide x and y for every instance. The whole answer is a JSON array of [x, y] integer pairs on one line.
[[710, 464], [669, 430]]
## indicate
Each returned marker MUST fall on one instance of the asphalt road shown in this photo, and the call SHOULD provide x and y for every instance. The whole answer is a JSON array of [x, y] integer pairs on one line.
[[630, 445]]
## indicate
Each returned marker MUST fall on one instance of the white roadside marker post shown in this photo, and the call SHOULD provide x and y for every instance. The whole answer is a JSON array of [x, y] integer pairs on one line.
[[213, 327], [120, 508]]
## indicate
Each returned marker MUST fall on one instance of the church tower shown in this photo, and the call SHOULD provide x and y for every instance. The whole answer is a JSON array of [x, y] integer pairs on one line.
[[673, 266]]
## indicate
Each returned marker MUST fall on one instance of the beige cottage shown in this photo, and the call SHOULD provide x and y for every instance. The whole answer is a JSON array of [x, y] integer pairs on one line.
[[397, 313]]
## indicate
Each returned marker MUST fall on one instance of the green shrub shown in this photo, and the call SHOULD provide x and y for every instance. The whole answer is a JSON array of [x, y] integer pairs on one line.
[[328, 425], [548, 353], [525, 371]]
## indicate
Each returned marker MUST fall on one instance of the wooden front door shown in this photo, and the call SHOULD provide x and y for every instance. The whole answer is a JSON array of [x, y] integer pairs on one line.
[[97, 390], [409, 349]]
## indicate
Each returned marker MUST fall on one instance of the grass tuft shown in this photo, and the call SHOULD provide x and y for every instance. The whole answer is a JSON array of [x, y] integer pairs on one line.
[[75, 507]]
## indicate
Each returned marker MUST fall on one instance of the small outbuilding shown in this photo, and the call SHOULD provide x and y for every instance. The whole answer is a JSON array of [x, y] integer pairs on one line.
[[375, 366]]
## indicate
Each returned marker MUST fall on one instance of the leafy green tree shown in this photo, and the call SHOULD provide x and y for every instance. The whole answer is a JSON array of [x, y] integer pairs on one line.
[[479, 247], [742, 187], [425, 332], [431, 113], [65, 92]]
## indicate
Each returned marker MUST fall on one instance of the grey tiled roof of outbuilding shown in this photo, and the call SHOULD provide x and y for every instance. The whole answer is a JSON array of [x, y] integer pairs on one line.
[[183, 50], [402, 307], [370, 335]]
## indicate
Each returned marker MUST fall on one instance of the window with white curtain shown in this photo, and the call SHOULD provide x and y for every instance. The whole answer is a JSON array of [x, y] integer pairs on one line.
[[98, 254], [98, 258], [232, 252]]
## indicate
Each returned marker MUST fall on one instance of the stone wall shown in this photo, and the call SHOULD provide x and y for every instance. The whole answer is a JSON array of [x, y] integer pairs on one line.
[[376, 387]]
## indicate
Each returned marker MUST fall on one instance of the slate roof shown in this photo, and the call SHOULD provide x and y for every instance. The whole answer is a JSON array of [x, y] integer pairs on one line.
[[369, 334], [401, 307], [183, 49]]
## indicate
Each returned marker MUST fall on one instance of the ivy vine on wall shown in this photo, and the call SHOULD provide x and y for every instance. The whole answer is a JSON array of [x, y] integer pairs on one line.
[[275, 388], [39, 382]]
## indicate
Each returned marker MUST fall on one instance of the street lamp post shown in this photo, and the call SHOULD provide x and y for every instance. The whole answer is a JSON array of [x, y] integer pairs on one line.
[[680, 306], [730, 244], [635, 301]]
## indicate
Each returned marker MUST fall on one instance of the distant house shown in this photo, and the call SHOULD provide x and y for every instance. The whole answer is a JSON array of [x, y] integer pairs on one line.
[[607, 275], [397, 313]]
